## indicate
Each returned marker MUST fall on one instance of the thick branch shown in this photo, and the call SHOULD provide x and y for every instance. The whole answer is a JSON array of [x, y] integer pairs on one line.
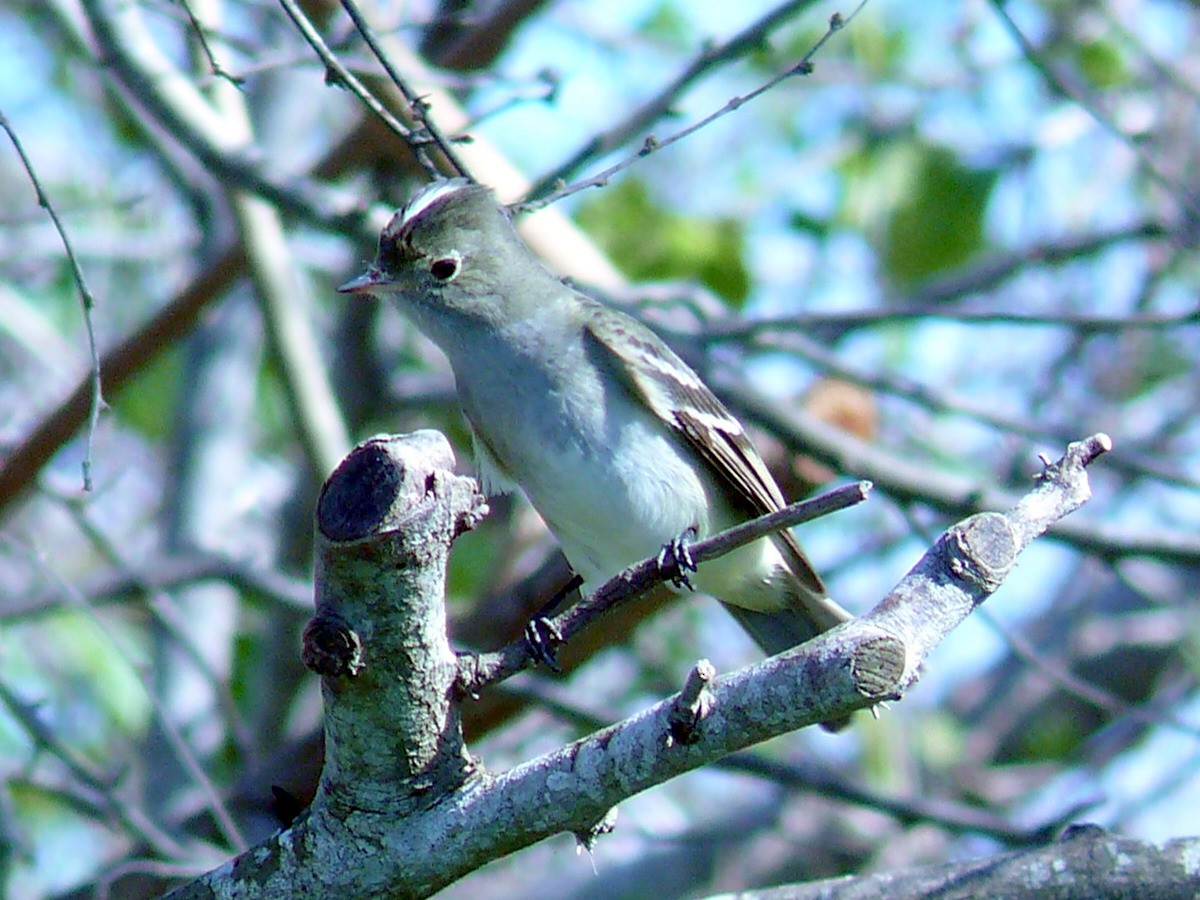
[[385, 520], [1087, 862], [403, 810]]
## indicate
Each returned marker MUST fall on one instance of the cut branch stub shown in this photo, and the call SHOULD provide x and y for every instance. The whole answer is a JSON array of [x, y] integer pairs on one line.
[[331, 647], [981, 549], [359, 494], [385, 521]]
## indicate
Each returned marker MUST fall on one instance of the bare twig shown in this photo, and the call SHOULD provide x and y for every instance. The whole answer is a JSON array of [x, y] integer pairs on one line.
[[489, 668], [96, 402], [750, 38], [652, 144], [416, 103], [335, 71], [120, 365], [201, 32]]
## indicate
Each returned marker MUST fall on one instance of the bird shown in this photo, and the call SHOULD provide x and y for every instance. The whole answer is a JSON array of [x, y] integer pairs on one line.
[[616, 442]]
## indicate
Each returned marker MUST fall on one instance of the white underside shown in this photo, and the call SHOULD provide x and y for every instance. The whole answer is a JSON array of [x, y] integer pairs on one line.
[[615, 504]]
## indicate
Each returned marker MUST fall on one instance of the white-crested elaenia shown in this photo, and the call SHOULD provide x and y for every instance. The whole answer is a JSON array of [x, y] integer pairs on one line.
[[616, 442]]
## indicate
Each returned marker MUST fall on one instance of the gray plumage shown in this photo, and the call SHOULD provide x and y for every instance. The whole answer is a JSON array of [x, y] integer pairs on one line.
[[616, 442]]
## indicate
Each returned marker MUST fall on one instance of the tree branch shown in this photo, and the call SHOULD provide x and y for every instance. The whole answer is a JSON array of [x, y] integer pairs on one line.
[[86, 298], [1086, 855], [481, 670], [951, 494], [403, 809], [634, 126]]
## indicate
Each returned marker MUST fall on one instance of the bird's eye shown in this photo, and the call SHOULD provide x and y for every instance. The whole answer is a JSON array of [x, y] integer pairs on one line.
[[445, 269]]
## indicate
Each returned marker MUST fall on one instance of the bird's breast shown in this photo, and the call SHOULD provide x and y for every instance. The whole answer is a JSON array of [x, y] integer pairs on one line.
[[611, 481]]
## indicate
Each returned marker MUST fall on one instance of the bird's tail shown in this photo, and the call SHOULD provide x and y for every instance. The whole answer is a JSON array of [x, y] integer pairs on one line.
[[779, 630], [783, 629]]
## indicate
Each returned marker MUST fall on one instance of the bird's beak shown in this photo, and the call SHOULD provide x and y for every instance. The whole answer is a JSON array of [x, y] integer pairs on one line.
[[362, 284]]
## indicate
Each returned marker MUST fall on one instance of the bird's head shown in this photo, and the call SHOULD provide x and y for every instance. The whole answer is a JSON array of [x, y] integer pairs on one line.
[[448, 246]]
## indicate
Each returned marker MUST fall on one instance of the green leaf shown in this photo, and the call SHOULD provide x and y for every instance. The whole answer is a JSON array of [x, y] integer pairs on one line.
[[1055, 733], [148, 403], [650, 243], [666, 24], [1142, 362], [921, 207], [1102, 63]]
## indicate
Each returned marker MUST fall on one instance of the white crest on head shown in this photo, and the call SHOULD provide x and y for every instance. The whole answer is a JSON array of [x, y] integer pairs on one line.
[[429, 195]]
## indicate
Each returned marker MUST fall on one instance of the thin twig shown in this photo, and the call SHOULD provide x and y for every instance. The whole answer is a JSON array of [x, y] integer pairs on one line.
[[652, 144], [752, 37], [201, 33], [120, 364], [416, 103], [793, 514], [490, 668], [1077, 93], [86, 298], [335, 71]]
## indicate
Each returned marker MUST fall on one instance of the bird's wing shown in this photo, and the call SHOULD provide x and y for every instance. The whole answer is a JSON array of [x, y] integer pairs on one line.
[[655, 374]]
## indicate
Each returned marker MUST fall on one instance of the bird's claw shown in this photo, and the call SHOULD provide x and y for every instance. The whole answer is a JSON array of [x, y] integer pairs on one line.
[[675, 559], [542, 637]]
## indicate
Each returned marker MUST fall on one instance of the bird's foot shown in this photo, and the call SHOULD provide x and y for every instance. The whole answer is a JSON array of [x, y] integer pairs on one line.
[[675, 559], [542, 637]]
